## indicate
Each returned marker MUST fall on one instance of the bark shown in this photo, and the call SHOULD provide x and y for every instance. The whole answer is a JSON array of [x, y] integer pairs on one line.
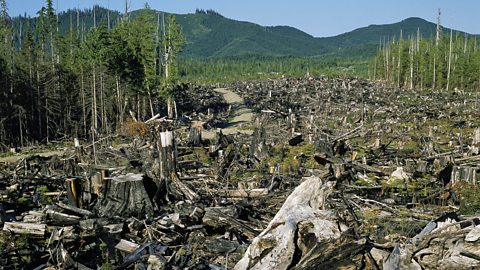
[[125, 195]]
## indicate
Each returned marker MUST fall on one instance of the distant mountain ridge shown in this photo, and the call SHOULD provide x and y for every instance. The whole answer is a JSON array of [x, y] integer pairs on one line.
[[210, 34]]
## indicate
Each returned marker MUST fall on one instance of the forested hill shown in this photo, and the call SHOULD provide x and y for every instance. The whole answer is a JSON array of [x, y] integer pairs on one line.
[[209, 34]]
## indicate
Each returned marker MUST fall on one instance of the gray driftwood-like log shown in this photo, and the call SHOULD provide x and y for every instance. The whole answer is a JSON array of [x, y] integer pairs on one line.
[[25, 228], [57, 218], [443, 244], [76, 210], [125, 195], [299, 227]]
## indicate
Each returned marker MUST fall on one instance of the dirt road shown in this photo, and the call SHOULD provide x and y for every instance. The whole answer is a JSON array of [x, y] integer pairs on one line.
[[241, 115]]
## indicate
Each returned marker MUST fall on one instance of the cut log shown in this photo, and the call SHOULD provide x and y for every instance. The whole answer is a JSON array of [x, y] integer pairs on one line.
[[57, 218], [298, 227], [125, 195], [127, 246], [76, 210], [25, 228], [244, 193]]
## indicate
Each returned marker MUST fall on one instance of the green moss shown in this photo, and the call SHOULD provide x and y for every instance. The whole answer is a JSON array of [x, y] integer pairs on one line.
[[469, 200], [201, 155]]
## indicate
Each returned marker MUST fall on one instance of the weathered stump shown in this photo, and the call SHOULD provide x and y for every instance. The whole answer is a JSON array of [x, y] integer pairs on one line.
[[195, 136], [125, 195], [464, 173], [258, 148], [74, 191], [167, 180]]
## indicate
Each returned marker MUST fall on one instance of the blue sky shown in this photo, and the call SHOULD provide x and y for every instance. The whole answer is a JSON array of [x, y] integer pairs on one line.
[[317, 17]]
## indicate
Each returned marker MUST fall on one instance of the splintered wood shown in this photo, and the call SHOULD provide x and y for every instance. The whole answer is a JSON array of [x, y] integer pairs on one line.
[[329, 173]]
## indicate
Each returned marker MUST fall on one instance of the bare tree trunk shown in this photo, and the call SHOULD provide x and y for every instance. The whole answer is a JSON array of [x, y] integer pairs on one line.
[[39, 105], [434, 71], [102, 104], [411, 63], [119, 100], [84, 108], [138, 105], [399, 58], [150, 103], [387, 64], [449, 61], [94, 101], [46, 115], [439, 29]]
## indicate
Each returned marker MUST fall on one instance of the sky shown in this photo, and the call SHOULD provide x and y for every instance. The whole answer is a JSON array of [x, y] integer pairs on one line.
[[319, 18]]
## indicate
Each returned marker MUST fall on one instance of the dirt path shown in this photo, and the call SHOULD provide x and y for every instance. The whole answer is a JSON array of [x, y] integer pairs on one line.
[[241, 115]]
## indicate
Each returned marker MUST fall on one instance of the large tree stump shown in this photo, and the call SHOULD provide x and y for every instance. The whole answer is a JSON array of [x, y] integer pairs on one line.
[[125, 195]]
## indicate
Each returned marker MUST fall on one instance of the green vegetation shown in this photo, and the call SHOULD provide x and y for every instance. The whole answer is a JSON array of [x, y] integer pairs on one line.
[[417, 63], [86, 71], [56, 84], [231, 69], [468, 196], [289, 158]]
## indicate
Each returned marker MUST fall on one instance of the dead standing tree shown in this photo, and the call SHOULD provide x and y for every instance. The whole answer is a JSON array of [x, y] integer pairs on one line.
[[165, 168]]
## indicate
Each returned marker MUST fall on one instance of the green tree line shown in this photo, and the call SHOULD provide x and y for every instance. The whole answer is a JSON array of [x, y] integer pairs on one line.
[[449, 62], [253, 67], [83, 83]]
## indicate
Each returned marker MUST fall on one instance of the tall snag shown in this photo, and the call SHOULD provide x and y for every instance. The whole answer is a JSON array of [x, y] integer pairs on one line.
[[165, 168]]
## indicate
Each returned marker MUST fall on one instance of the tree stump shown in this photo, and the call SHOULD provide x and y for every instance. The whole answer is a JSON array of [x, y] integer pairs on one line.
[[258, 148], [166, 164], [125, 195], [74, 191], [195, 136]]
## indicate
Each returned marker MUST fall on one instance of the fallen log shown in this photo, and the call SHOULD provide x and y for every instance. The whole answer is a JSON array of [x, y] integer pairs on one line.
[[57, 218], [25, 228], [246, 193], [73, 209]]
